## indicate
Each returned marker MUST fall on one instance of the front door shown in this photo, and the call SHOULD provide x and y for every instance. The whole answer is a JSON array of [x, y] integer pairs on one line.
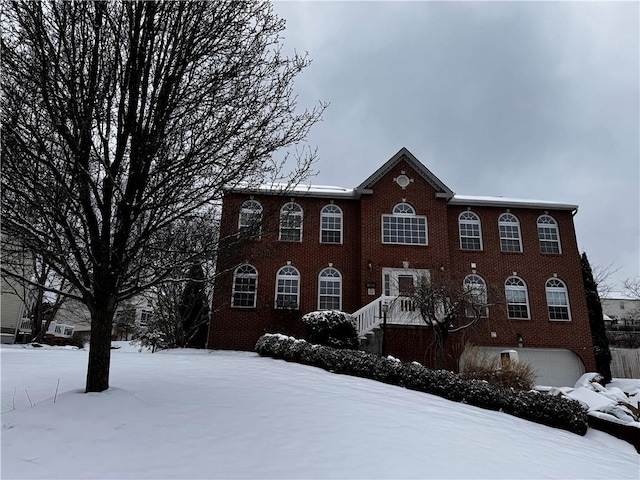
[[399, 281]]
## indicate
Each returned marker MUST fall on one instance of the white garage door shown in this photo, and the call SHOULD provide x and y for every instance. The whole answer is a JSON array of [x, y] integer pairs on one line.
[[556, 367]]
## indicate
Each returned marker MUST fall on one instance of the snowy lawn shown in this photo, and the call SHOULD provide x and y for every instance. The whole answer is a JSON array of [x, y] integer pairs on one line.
[[196, 414]]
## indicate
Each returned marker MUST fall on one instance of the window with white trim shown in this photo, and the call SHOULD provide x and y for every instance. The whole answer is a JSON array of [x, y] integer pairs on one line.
[[329, 289], [475, 291], [331, 224], [404, 226], [548, 235], [245, 287], [515, 291], [510, 237], [250, 217], [557, 300], [291, 222], [470, 231], [288, 288]]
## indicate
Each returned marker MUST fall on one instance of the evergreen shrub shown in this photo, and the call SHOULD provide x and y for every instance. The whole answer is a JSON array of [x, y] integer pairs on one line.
[[331, 328], [559, 412]]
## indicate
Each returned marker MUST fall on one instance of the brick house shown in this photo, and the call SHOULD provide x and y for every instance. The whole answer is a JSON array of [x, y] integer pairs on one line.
[[353, 249]]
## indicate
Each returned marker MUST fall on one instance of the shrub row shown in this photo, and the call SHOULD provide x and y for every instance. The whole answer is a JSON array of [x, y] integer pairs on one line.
[[559, 412]]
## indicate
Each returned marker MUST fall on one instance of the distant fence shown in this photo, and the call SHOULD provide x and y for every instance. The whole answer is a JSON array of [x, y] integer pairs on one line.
[[625, 362]]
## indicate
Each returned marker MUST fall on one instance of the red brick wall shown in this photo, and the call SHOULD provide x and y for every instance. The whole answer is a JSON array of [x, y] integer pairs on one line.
[[239, 328], [386, 195]]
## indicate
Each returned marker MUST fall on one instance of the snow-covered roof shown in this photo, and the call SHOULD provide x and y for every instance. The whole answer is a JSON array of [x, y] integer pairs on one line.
[[308, 190], [508, 201], [330, 191]]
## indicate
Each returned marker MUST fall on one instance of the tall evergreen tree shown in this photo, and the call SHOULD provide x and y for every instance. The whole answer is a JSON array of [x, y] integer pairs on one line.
[[596, 320], [194, 310]]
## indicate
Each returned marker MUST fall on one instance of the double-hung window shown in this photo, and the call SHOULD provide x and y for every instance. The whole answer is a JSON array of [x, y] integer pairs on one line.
[[291, 222], [557, 300], [515, 291], [288, 288], [510, 238], [475, 296], [329, 289], [404, 226], [470, 231], [245, 286], [331, 224], [548, 235], [250, 218]]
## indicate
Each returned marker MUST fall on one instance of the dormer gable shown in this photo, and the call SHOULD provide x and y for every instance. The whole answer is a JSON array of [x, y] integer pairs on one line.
[[442, 191]]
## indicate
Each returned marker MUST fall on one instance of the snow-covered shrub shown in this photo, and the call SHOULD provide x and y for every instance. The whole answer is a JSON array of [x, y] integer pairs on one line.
[[331, 328], [559, 412]]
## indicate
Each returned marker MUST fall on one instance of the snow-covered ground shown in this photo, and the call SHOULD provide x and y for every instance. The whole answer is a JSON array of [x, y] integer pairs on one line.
[[196, 414]]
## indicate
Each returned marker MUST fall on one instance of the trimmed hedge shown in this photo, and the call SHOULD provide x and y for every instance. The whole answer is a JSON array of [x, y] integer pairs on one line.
[[559, 412], [331, 328]]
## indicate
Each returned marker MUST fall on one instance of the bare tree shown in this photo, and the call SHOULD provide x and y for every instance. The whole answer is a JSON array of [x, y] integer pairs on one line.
[[122, 118], [602, 276], [449, 305], [632, 288]]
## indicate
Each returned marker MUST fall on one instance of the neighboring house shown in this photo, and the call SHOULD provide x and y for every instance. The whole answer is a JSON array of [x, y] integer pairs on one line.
[[622, 319], [622, 311], [13, 293], [354, 249], [129, 315]]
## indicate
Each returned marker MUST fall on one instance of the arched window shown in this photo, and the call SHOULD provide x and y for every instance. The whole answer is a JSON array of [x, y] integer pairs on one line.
[[510, 238], [329, 289], [548, 235], [250, 218], [331, 224], [404, 226], [470, 231], [288, 288], [245, 286], [557, 300], [475, 296], [515, 291], [291, 222]]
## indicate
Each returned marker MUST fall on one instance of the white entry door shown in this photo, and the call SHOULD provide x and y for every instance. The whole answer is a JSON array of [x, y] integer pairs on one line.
[[397, 281]]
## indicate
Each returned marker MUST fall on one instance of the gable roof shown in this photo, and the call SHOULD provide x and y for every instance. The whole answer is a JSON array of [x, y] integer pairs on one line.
[[405, 155]]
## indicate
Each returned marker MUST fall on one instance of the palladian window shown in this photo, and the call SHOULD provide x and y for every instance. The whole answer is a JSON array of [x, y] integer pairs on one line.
[[404, 226]]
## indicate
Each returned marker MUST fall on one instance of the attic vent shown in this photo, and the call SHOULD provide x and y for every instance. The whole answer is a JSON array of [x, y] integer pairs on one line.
[[403, 181]]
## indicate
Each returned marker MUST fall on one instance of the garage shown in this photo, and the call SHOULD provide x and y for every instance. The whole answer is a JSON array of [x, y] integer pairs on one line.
[[556, 367]]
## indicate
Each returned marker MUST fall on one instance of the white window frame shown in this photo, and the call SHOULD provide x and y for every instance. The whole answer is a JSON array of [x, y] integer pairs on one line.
[[404, 215], [472, 219], [547, 226], [286, 274], [475, 284], [516, 284], [327, 276], [250, 216], [244, 271], [553, 287], [295, 210], [337, 215], [508, 227]]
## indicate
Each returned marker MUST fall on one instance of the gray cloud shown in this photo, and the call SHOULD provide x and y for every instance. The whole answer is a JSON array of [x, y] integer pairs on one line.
[[532, 100]]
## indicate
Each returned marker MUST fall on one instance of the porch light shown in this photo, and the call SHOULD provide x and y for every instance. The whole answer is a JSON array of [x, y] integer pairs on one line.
[[519, 339]]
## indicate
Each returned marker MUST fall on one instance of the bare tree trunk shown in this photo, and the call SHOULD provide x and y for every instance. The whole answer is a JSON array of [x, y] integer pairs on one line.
[[99, 351]]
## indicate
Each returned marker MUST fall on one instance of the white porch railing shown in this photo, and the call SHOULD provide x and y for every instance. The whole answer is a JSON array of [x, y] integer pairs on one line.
[[60, 330], [370, 316], [25, 325]]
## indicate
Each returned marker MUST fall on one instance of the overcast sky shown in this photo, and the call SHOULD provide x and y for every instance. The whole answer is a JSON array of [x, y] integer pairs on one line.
[[532, 100]]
